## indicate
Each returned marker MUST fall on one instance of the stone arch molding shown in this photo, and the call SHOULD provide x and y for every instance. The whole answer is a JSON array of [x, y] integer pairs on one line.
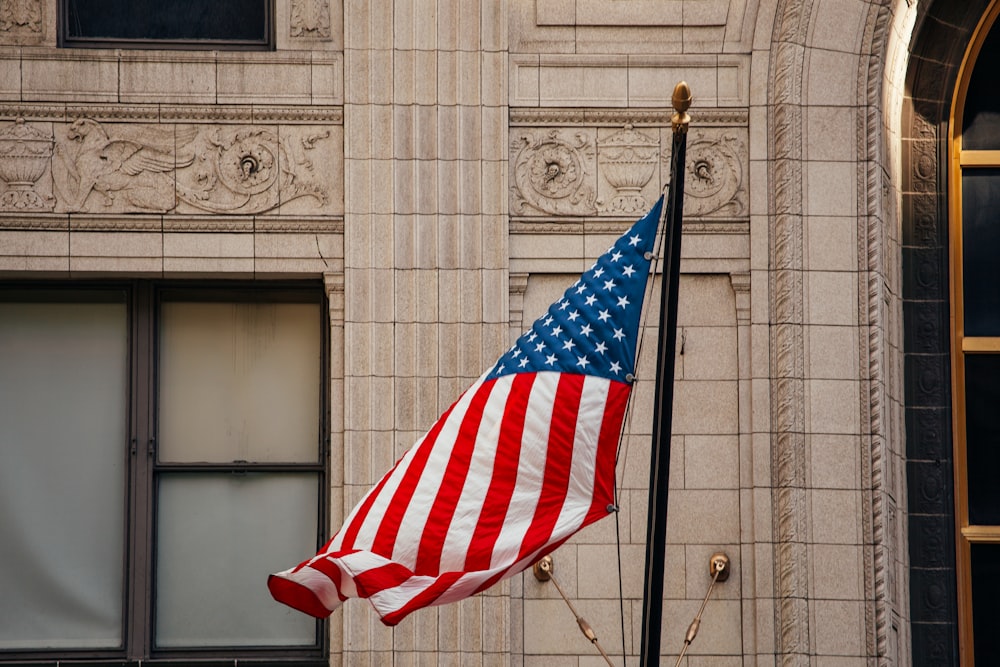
[[879, 275]]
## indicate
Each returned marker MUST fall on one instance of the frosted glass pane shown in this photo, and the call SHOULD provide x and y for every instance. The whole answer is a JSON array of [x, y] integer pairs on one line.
[[63, 380], [219, 536], [239, 382]]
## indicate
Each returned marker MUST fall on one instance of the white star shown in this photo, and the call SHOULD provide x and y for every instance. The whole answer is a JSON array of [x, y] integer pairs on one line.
[[551, 359], [622, 301], [499, 369], [587, 330], [564, 305], [619, 334], [569, 344], [616, 367], [572, 316], [539, 347], [515, 353], [598, 273], [547, 322], [532, 336], [591, 299], [628, 270], [581, 289], [523, 363], [615, 257], [556, 331], [582, 362], [634, 240], [602, 347], [609, 284], [604, 316]]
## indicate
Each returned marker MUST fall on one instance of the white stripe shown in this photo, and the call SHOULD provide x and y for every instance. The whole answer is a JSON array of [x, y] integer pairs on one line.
[[477, 482], [415, 517], [530, 469], [580, 493]]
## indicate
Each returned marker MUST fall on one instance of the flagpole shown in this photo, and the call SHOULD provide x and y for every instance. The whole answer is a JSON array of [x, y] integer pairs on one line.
[[659, 472]]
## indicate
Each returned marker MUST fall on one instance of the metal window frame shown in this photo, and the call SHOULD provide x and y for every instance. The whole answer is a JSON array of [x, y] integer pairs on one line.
[[142, 299], [960, 161], [267, 44]]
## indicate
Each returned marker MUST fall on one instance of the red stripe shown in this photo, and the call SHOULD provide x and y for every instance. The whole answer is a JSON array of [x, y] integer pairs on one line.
[[504, 477], [385, 537], [425, 598], [330, 569], [607, 445], [297, 596], [558, 461], [380, 578], [443, 510]]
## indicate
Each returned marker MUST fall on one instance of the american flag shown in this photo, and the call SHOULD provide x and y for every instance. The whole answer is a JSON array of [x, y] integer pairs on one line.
[[518, 464]]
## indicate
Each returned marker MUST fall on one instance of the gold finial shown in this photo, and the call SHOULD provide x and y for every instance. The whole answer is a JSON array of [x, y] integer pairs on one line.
[[682, 102]]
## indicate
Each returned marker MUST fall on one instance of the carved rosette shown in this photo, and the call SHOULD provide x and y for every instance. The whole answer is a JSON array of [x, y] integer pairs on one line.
[[715, 177], [627, 161], [553, 171], [310, 19], [24, 156]]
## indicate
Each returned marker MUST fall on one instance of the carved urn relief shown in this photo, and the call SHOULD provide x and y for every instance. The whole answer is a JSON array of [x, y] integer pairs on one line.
[[627, 160], [24, 157]]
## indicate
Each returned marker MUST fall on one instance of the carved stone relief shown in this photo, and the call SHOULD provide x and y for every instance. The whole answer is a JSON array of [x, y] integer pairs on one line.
[[25, 152], [310, 19], [117, 168], [715, 177], [627, 161], [566, 171], [20, 21], [125, 168], [553, 171], [247, 170]]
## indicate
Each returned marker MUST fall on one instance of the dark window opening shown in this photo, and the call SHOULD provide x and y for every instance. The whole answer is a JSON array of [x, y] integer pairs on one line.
[[227, 24]]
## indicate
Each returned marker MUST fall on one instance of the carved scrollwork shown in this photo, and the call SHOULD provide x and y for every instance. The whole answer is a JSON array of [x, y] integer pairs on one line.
[[24, 158], [715, 182], [627, 161], [246, 170], [553, 172]]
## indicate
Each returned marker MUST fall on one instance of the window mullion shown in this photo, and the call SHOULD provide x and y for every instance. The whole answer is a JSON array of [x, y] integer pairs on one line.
[[141, 468]]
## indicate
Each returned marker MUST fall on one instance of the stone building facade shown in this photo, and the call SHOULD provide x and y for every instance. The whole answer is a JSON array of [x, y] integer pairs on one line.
[[440, 170]]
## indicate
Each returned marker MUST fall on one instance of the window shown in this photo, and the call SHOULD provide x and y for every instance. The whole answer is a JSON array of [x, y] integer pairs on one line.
[[209, 24], [162, 450], [975, 240]]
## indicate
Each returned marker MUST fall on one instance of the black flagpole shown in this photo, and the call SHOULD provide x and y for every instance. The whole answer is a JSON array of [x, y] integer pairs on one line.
[[659, 472]]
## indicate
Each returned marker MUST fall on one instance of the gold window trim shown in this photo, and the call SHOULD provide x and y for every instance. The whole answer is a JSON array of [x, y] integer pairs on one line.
[[966, 534]]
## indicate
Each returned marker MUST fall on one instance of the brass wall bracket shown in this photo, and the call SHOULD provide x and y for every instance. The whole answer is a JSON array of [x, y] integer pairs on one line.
[[719, 562], [543, 568]]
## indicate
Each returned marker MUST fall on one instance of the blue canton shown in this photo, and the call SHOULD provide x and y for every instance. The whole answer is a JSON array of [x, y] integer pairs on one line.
[[593, 329]]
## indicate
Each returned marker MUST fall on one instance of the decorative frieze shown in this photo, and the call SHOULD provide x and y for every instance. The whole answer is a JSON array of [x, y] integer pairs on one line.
[[618, 172], [121, 168]]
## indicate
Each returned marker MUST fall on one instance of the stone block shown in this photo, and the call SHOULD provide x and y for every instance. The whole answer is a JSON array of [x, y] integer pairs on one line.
[[60, 76], [169, 77]]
